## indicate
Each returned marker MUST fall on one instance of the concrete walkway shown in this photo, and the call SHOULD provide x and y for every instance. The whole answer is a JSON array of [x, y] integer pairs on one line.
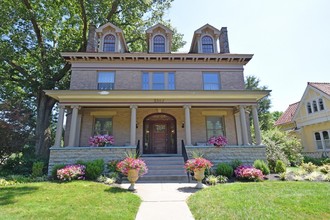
[[163, 201]]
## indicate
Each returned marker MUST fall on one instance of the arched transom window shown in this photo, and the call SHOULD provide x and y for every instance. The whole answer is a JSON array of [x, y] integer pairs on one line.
[[159, 44], [207, 44], [109, 43]]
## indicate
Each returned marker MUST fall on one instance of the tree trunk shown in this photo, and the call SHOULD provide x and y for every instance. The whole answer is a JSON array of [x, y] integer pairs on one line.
[[45, 105]]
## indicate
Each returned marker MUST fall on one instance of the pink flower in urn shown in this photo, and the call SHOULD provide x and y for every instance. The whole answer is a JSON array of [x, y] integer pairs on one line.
[[101, 140], [219, 141]]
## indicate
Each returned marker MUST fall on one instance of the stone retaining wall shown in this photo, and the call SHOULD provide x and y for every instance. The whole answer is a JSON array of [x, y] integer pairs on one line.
[[246, 154], [69, 155]]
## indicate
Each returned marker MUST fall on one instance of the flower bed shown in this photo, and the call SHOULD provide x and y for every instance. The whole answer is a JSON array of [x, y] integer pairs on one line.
[[71, 172], [248, 173]]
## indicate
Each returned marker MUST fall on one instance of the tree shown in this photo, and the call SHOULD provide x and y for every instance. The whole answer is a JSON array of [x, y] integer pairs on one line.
[[34, 32], [265, 118]]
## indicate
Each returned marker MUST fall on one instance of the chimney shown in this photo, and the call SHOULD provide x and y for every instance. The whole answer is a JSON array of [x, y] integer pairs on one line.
[[224, 43], [91, 41]]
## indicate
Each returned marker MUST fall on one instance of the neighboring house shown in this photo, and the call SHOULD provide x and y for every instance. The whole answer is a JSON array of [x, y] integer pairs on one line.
[[157, 98], [309, 119]]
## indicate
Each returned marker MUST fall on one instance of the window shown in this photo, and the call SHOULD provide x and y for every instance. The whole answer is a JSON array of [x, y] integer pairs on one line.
[[109, 43], [159, 44], [106, 81], [103, 126], [314, 106], [321, 105], [322, 140], [207, 44], [309, 108], [211, 81], [214, 126], [158, 81]]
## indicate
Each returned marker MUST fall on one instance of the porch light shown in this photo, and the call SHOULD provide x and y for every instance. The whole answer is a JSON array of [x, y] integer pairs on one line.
[[182, 125]]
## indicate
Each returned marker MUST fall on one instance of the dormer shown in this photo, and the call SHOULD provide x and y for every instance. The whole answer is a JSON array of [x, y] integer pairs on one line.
[[205, 40], [111, 39], [159, 39]]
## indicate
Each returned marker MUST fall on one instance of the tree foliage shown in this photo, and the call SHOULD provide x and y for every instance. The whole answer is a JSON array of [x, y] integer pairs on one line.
[[34, 32]]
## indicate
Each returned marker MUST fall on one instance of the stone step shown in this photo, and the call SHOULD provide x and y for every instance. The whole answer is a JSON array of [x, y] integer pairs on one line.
[[165, 172], [163, 178], [165, 166]]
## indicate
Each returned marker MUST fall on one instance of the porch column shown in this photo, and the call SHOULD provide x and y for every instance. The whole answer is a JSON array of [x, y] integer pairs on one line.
[[238, 129], [187, 124], [73, 127], [59, 126], [133, 124], [243, 125], [256, 124]]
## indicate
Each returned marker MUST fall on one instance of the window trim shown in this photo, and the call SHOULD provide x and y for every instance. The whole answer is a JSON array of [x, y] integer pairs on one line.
[[323, 143], [315, 105], [222, 119], [149, 84], [102, 117], [114, 43], [154, 43], [218, 84], [207, 44], [112, 84]]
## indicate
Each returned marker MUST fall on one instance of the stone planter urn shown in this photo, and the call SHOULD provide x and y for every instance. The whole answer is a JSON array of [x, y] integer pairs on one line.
[[133, 176], [199, 176]]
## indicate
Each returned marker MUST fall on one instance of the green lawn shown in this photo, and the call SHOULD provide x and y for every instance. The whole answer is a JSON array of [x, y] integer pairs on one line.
[[263, 200], [73, 200]]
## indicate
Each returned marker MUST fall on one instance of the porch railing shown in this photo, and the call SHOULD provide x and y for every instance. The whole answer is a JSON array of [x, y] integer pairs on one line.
[[185, 157]]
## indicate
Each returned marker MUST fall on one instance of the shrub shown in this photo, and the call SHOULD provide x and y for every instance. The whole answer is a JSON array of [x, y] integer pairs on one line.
[[248, 173], [308, 167], [326, 177], [71, 172], [112, 165], [54, 170], [311, 176], [212, 180], [316, 161], [18, 179], [37, 169], [224, 169], [280, 167], [4, 182], [222, 179], [236, 163], [325, 168], [261, 165], [93, 168], [325, 160], [283, 176]]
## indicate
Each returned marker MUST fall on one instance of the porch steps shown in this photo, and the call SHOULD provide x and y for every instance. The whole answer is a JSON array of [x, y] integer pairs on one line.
[[164, 168]]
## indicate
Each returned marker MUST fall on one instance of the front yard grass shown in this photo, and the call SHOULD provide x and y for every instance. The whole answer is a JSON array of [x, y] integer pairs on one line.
[[72, 200], [263, 200]]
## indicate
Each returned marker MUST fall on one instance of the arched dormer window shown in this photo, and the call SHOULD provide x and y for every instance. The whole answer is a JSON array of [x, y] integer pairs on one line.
[[109, 43], [159, 44], [207, 44], [309, 108]]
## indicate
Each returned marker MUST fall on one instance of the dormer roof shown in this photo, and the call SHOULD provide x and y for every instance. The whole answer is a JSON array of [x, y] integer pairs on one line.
[[209, 30], [159, 26], [164, 34], [112, 29]]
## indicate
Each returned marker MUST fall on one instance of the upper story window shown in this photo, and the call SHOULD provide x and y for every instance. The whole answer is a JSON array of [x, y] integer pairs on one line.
[[309, 108], [215, 126], [106, 81], [159, 44], [103, 126], [158, 81], [211, 81], [321, 105], [315, 106], [207, 44], [109, 43]]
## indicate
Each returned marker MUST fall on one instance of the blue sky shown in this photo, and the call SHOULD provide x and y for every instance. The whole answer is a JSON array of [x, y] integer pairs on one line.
[[290, 39]]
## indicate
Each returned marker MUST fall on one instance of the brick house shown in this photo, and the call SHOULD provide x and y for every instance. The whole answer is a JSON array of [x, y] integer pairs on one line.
[[157, 98], [309, 119]]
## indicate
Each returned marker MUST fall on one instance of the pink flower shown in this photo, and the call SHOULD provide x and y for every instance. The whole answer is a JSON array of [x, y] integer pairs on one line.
[[197, 163], [101, 140], [131, 163], [218, 141]]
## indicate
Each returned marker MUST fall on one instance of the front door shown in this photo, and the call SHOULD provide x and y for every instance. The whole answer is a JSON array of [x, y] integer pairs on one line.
[[159, 134]]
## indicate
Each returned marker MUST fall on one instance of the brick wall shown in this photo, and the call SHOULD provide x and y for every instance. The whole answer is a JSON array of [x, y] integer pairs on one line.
[[70, 155], [246, 154]]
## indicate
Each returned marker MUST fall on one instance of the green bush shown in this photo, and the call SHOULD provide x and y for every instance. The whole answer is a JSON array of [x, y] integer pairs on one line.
[[325, 168], [308, 167], [54, 170], [112, 166], [316, 161], [261, 165], [224, 169], [37, 169], [326, 160], [93, 168], [212, 180], [236, 163], [280, 167]]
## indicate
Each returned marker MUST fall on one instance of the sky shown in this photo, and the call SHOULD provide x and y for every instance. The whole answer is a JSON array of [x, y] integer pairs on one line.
[[290, 39]]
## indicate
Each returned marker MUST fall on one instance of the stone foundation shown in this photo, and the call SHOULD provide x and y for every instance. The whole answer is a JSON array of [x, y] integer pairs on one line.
[[246, 154], [70, 155]]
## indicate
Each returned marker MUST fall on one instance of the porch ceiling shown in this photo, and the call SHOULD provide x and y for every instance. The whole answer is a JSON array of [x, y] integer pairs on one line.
[[128, 97]]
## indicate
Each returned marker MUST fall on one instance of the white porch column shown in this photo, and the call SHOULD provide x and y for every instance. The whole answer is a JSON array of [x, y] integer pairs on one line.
[[256, 124], [73, 127], [187, 124], [243, 125], [59, 126], [133, 124]]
